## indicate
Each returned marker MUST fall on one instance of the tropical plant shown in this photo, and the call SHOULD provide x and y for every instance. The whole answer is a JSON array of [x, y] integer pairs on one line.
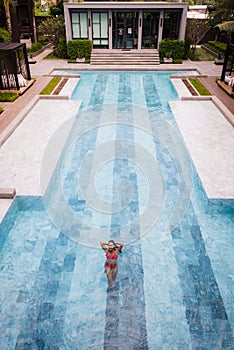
[[4, 36], [222, 10], [8, 5]]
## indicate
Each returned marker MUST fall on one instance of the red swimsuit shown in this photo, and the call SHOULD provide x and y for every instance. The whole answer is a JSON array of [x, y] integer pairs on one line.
[[111, 260]]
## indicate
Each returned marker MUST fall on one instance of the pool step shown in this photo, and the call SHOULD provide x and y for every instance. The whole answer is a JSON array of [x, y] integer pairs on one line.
[[7, 193], [125, 57]]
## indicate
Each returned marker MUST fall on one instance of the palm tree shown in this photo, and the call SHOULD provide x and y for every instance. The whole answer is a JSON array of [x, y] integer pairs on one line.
[[7, 4], [223, 10]]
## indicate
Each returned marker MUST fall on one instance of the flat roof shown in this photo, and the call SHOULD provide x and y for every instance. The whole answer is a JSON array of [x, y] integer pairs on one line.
[[126, 5]]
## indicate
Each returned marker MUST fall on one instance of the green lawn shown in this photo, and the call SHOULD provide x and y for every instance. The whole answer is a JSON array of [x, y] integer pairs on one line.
[[51, 56], [199, 87], [203, 55], [50, 86]]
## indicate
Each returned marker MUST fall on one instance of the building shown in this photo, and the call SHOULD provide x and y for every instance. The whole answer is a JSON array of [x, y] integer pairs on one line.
[[125, 25]]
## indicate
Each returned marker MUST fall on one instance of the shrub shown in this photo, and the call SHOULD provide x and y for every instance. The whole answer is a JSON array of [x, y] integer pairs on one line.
[[187, 43], [177, 60], [62, 48], [79, 49], [35, 47], [171, 48], [8, 96], [4, 36], [43, 40], [1, 109]]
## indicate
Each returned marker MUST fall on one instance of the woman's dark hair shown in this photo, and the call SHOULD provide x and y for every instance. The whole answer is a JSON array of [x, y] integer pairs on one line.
[[116, 246]]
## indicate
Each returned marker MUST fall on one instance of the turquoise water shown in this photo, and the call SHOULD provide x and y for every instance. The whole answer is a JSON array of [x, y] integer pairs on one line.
[[124, 174]]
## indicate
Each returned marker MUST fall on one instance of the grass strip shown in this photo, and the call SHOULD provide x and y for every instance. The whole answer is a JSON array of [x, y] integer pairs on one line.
[[1, 109], [199, 87], [50, 86], [51, 56], [8, 96]]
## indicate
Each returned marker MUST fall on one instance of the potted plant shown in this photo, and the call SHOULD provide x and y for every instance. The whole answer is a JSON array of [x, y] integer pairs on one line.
[[219, 59], [168, 58]]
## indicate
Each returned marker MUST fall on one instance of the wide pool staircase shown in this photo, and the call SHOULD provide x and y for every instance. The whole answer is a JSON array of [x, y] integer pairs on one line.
[[125, 57]]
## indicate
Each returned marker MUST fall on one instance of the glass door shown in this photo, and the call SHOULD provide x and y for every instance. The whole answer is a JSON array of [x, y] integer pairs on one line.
[[125, 30], [150, 30]]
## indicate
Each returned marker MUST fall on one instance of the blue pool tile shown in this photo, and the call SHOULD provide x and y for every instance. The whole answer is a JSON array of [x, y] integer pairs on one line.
[[69, 262], [45, 311]]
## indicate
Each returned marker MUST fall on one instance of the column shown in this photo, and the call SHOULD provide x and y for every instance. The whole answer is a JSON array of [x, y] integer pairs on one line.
[[90, 25], [67, 23], [160, 29], [140, 25], [183, 24], [110, 29]]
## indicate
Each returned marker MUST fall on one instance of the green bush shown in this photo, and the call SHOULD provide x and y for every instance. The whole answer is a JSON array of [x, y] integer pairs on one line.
[[8, 96], [35, 47], [187, 43], [43, 40], [171, 49], [79, 49], [177, 60], [62, 48], [4, 36]]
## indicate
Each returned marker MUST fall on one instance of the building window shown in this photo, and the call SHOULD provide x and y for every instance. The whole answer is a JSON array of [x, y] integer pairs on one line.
[[79, 25], [171, 25], [100, 29]]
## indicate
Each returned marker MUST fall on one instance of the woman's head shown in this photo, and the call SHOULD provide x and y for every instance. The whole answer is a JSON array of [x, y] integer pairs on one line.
[[111, 245]]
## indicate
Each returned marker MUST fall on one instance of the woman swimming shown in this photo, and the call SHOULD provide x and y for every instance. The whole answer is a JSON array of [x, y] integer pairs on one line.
[[111, 266]]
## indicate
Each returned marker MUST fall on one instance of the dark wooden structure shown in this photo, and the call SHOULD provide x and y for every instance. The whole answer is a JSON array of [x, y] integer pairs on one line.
[[14, 66], [228, 65]]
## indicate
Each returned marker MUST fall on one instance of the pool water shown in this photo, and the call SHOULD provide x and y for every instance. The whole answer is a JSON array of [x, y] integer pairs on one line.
[[124, 174]]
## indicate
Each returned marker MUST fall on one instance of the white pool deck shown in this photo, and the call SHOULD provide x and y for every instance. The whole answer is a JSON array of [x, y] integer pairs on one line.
[[207, 133]]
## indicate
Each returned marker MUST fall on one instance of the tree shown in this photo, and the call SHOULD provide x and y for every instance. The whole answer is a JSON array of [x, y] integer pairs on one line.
[[221, 10], [53, 28], [8, 4], [196, 30]]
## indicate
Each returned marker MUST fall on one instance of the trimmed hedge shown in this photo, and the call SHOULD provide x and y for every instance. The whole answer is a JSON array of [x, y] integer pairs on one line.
[[8, 96], [172, 49], [62, 48], [79, 49]]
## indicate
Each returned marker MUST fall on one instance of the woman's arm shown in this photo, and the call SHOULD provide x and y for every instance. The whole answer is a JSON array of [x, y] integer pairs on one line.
[[103, 245], [120, 246]]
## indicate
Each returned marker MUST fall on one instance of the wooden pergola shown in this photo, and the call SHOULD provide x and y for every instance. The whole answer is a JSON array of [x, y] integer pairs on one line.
[[14, 66], [228, 65]]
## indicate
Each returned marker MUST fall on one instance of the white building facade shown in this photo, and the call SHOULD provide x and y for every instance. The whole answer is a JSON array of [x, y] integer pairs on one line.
[[125, 25]]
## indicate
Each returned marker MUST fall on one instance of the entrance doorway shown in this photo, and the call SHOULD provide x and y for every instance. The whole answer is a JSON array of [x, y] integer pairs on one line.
[[125, 26], [150, 30]]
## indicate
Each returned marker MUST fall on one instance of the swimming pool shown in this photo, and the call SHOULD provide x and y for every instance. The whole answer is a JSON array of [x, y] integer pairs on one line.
[[124, 174]]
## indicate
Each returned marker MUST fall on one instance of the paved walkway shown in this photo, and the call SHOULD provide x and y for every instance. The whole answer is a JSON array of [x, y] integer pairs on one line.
[[43, 68]]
